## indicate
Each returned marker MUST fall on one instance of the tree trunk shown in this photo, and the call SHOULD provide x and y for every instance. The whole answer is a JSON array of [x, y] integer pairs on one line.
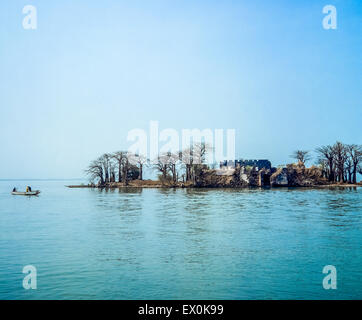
[[341, 176], [164, 171], [119, 173], [124, 175], [354, 173], [174, 173], [141, 171], [331, 173]]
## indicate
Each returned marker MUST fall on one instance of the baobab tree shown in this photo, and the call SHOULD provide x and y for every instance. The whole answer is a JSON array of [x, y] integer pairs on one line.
[[167, 164], [106, 163], [342, 160], [193, 157], [104, 168], [323, 165], [340, 156], [173, 160], [140, 161], [355, 155], [101, 168], [302, 156], [187, 161], [119, 157], [95, 170], [327, 153], [348, 170], [161, 164], [125, 163]]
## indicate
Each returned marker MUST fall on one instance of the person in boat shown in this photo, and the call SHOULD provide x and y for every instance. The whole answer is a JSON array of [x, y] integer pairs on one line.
[[28, 189], [14, 190]]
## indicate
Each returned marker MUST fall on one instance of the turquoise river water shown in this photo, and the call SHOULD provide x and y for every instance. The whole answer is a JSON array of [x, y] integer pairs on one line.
[[180, 244]]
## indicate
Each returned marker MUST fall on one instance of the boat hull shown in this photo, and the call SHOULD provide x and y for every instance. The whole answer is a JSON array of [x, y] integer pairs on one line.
[[32, 193]]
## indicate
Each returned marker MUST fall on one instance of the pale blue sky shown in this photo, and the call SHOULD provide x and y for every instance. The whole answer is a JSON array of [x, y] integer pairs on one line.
[[93, 70]]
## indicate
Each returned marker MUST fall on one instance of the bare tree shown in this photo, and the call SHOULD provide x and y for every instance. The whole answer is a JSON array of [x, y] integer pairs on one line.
[[167, 163], [162, 165], [187, 161], [119, 159], [340, 155], [348, 170], [95, 170], [125, 168], [112, 176], [326, 153], [194, 157], [105, 159], [342, 160], [355, 157], [173, 160], [200, 151], [302, 156], [323, 165], [140, 161]]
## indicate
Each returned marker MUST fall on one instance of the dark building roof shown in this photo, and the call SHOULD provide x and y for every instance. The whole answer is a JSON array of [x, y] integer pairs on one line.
[[263, 163]]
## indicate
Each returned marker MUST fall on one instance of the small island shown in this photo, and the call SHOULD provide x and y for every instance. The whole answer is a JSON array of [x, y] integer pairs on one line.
[[336, 165]]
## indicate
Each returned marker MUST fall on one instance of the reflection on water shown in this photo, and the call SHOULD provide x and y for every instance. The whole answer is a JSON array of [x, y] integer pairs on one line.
[[133, 243]]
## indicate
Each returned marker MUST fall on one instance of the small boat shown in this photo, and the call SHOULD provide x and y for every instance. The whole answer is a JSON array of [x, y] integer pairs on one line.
[[29, 193]]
